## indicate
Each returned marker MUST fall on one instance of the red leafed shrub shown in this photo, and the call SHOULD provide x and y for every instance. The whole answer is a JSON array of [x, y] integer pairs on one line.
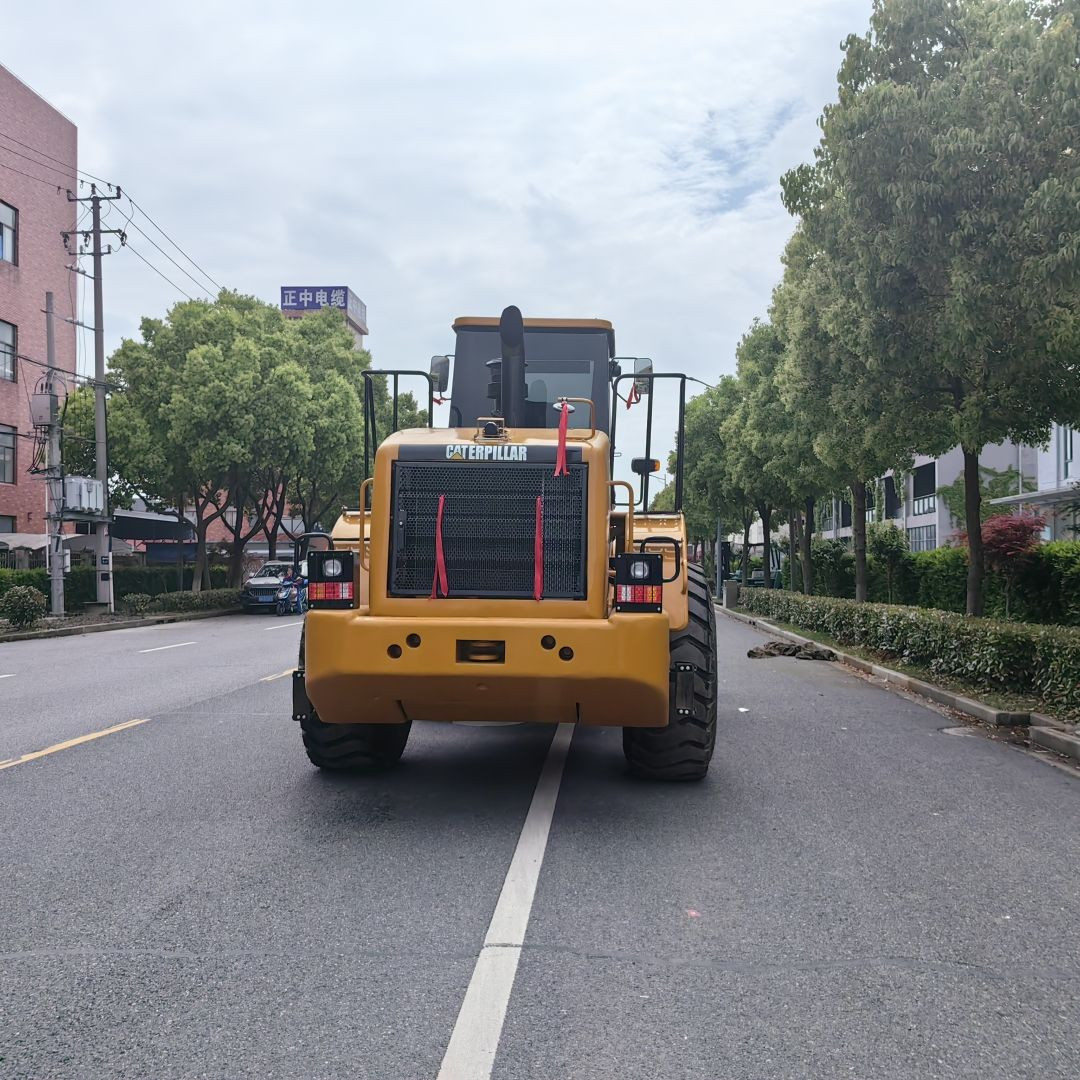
[[1008, 540]]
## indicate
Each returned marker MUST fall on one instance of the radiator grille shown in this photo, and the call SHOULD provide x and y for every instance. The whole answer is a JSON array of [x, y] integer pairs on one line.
[[489, 528]]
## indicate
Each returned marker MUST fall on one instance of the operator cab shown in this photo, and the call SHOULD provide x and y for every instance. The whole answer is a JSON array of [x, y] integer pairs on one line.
[[568, 358]]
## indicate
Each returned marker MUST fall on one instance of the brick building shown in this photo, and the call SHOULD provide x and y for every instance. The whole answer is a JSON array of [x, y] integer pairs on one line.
[[38, 148]]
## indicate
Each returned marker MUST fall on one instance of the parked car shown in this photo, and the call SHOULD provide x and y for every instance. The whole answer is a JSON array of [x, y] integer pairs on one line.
[[260, 590]]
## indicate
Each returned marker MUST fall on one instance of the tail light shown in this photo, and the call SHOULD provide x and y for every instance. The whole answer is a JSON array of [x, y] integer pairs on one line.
[[331, 581], [639, 582]]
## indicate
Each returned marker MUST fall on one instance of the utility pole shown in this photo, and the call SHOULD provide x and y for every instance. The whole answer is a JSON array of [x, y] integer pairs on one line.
[[102, 553], [54, 473]]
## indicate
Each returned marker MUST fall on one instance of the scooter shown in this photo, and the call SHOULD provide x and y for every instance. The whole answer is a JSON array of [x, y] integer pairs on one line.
[[292, 598]]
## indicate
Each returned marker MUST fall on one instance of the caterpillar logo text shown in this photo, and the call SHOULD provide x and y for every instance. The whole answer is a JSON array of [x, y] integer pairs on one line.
[[474, 452]]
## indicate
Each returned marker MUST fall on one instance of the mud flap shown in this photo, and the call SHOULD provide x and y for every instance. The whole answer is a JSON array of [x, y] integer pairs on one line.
[[301, 707], [684, 689]]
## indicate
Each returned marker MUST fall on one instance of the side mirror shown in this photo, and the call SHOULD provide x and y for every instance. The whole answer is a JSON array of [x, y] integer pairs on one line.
[[643, 366], [643, 466], [440, 373]]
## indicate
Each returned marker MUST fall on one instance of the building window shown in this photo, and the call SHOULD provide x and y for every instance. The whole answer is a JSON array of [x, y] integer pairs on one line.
[[1068, 443], [7, 454], [9, 233], [8, 340], [7, 523], [892, 503], [924, 489], [922, 538]]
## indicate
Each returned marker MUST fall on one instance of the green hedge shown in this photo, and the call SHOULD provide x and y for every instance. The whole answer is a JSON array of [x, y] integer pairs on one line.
[[208, 600], [79, 583], [1027, 659], [1047, 587]]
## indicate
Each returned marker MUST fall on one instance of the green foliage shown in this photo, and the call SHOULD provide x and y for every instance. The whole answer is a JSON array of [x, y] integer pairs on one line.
[[135, 603], [942, 578], [993, 484], [888, 547], [23, 606], [208, 600], [1045, 589], [80, 588], [711, 490], [942, 202], [1043, 660]]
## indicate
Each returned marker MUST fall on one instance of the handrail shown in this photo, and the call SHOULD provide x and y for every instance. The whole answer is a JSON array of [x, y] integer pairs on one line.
[[362, 548], [629, 511]]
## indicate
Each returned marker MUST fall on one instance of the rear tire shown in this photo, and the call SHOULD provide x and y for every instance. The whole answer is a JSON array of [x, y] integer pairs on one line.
[[344, 747], [683, 749]]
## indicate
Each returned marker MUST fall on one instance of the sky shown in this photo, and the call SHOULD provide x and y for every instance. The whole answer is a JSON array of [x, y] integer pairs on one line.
[[586, 159]]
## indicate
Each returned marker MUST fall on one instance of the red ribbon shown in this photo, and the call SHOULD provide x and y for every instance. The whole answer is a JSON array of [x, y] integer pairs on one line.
[[633, 397], [560, 457], [538, 550], [439, 581]]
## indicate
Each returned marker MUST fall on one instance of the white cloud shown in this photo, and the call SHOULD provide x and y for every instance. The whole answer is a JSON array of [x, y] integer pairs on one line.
[[610, 159]]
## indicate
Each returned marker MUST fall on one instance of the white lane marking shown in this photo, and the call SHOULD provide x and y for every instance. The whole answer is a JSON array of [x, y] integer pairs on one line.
[[7, 676], [475, 1038], [279, 675], [178, 645], [285, 625]]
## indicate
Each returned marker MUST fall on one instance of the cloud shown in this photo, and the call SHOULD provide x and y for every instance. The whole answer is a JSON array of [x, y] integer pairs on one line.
[[611, 159]]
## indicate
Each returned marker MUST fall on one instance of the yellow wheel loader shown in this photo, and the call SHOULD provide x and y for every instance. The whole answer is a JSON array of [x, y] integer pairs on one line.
[[494, 570]]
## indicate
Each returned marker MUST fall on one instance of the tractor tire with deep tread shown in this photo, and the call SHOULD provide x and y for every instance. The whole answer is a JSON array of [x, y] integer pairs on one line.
[[344, 747], [683, 749]]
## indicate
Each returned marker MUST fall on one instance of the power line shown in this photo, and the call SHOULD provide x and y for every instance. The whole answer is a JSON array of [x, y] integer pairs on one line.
[[171, 241], [40, 179], [198, 284], [41, 153], [135, 251], [68, 174]]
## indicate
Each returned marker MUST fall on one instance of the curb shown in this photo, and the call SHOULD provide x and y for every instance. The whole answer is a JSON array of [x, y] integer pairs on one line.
[[1051, 739], [126, 624], [985, 713]]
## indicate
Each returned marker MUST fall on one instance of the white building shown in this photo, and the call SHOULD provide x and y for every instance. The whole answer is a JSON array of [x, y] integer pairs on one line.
[[1058, 491], [921, 512]]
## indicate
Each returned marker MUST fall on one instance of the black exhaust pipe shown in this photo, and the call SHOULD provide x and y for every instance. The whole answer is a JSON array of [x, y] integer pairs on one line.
[[512, 341]]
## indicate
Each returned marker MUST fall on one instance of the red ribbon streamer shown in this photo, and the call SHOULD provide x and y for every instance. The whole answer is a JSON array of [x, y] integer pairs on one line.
[[560, 457], [538, 550], [439, 581], [633, 397]]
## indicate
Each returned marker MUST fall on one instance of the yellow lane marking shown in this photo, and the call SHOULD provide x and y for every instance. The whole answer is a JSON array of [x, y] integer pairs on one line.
[[10, 763], [279, 675]]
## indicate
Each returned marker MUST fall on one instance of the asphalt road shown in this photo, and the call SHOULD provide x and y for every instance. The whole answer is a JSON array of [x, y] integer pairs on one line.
[[851, 892]]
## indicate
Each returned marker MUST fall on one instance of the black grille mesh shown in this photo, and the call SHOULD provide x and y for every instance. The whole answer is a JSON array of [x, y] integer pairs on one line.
[[489, 528]]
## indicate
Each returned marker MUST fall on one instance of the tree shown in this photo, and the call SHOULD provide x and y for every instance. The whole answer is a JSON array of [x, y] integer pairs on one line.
[[711, 491], [945, 185], [757, 433], [206, 399], [888, 546], [849, 426]]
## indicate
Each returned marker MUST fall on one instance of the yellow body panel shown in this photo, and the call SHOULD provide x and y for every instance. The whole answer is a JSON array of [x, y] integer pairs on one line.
[[619, 673]]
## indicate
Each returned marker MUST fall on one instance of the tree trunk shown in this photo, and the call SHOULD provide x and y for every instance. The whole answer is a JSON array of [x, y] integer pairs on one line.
[[858, 532], [748, 520], [765, 510], [807, 561], [200, 554], [236, 558], [794, 545], [180, 544], [973, 524]]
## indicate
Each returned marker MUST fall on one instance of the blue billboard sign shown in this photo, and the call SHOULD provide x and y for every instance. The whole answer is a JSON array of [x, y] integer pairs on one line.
[[296, 299]]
